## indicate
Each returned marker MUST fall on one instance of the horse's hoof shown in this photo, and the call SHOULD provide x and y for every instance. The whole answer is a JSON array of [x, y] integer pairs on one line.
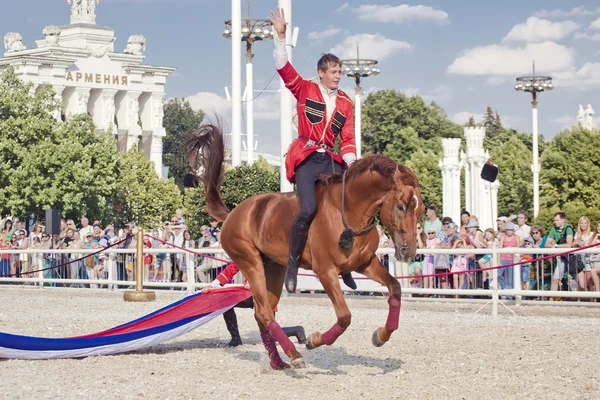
[[280, 366], [377, 342], [309, 343], [299, 363]]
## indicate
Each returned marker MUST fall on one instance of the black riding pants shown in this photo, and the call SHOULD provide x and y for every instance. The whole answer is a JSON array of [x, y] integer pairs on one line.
[[231, 318], [306, 177]]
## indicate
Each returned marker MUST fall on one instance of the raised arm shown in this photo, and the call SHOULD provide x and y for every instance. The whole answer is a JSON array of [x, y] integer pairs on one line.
[[291, 78]]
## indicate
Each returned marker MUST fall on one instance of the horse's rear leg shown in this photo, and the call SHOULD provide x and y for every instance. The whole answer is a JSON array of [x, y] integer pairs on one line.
[[264, 288], [275, 274], [331, 284], [377, 272]]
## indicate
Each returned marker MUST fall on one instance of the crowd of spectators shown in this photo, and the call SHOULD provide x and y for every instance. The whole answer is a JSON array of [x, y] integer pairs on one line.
[[568, 272], [158, 267], [573, 272]]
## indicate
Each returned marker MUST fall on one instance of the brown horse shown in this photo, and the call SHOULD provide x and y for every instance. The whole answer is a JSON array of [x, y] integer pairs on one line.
[[256, 236]]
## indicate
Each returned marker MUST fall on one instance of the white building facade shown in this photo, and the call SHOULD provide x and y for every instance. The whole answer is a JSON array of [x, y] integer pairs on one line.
[[122, 95]]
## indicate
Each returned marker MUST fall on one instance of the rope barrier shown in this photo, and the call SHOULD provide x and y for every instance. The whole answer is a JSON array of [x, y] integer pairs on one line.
[[484, 269], [187, 249], [67, 263]]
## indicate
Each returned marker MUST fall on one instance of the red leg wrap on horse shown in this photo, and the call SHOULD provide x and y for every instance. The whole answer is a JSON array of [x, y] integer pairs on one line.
[[394, 313], [269, 342], [331, 335], [286, 344]]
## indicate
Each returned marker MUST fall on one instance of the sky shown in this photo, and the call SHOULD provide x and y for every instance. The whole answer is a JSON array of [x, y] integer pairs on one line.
[[464, 55]]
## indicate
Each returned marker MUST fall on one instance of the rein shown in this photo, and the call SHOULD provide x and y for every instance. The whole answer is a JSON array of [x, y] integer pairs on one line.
[[347, 237]]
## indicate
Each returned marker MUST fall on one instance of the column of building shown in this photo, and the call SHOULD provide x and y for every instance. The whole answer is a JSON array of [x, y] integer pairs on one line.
[[451, 169], [477, 191]]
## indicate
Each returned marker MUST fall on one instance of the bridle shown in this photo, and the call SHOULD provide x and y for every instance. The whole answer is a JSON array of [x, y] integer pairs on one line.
[[347, 237]]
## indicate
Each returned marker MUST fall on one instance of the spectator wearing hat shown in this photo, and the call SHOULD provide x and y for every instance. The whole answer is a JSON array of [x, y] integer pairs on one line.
[[528, 243], [508, 240], [442, 262], [476, 240], [501, 223], [214, 229]]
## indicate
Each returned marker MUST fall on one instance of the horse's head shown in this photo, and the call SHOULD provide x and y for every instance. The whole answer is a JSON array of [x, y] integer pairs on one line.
[[401, 209]]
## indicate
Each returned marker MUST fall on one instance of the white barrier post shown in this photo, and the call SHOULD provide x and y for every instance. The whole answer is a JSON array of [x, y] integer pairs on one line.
[[517, 280], [495, 283], [191, 267]]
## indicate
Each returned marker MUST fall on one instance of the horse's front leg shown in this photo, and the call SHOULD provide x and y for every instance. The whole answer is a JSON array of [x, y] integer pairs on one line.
[[377, 272], [331, 284]]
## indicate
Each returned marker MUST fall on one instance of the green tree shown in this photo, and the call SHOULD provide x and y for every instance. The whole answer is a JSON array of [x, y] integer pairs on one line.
[[179, 120], [471, 122], [397, 125], [238, 184], [570, 170], [246, 181], [491, 122], [45, 163], [194, 204], [143, 197], [424, 163], [514, 164]]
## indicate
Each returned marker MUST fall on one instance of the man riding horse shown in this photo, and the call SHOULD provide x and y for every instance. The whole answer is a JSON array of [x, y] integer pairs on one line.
[[324, 112]]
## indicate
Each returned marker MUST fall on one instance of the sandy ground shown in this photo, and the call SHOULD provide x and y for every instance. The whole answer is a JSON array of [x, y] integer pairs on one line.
[[442, 350]]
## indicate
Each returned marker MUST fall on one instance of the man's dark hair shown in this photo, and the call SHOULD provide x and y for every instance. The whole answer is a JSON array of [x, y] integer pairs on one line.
[[432, 208], [328, 60], [446, 220], [561, 214], [465, 212]]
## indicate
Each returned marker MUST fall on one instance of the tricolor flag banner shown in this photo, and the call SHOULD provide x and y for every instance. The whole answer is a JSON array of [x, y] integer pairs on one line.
[[167, 323]]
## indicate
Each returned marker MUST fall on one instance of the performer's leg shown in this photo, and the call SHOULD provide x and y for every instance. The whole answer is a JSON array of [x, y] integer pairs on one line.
[[305, 183], [232, 326]]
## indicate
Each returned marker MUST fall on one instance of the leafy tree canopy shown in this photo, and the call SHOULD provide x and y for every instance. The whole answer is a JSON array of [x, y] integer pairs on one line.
[[143, 197], [397, 125], [45, 163], [179, 120], [570, 170]]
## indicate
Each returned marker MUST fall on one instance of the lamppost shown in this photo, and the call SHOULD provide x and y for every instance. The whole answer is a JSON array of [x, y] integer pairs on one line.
[[252, 30], [534, 85], [358, 69]]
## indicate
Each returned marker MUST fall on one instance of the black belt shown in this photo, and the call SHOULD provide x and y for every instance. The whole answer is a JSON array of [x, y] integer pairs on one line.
[[310, 143]]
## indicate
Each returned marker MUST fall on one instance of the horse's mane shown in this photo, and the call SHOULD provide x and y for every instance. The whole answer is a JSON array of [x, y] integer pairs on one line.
[[372, 162]]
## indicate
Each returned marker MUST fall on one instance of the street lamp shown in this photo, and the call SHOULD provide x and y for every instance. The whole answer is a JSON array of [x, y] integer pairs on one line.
[[358, 69], [535, 84], [252, 30]]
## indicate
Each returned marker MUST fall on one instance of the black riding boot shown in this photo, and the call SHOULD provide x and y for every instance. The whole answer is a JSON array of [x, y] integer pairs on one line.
[[349, 281], [232, 327], [296, 331], [297, 242]]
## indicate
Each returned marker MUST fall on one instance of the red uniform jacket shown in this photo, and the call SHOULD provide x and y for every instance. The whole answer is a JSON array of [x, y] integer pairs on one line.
[[312, 121], [227, 274]]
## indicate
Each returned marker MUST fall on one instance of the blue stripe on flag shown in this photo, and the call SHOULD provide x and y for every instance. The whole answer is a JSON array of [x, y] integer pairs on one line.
[[33, 343]]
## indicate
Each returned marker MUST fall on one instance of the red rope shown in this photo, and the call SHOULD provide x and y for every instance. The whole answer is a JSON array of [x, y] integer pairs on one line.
[[484, 269], [67, 263], [188, 250]]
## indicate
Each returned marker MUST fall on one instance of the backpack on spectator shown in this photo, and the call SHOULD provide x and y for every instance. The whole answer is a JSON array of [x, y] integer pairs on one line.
[[89, 261], [573, 263]]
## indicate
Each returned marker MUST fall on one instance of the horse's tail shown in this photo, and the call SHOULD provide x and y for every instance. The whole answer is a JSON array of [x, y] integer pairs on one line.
[[206, 152]]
